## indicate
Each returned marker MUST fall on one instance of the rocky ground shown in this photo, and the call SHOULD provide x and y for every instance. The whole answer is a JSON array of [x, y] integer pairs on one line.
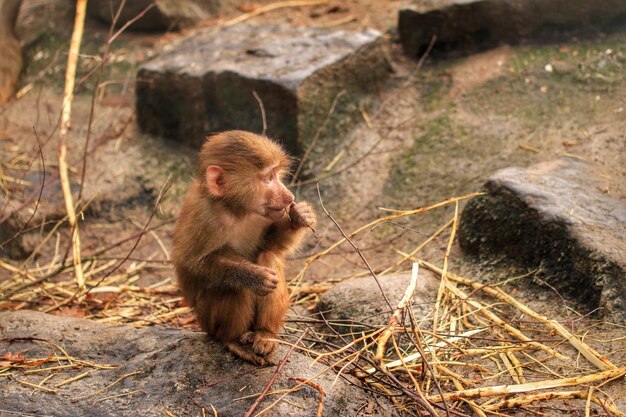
[[552, 229]]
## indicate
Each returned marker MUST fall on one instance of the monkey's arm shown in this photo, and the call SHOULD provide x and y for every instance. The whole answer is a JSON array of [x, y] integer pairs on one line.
[[285, 235], [226, 269]]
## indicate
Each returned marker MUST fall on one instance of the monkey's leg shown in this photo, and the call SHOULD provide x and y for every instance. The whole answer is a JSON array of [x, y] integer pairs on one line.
[[226, 316], [270, 309], [246, 353]]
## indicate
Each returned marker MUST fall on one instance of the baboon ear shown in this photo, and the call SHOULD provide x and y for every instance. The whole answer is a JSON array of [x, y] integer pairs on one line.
[[214, 177]]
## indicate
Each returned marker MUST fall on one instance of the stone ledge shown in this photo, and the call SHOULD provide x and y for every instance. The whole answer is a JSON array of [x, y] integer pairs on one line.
[[467, 25], [206, 82], [360, 301], [555, 216], [176, 369]]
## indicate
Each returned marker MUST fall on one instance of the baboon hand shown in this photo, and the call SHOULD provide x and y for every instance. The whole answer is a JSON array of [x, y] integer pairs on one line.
[[266, 280], [301, 215]]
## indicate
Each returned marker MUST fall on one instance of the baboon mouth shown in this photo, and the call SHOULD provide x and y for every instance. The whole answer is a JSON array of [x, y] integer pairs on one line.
[[275, 213]]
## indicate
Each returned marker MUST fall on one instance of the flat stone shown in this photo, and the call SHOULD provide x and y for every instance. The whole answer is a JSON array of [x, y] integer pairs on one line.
[[351, 304], [157, 369], [556, 216], [205, 83], [164, 15], [474, 24]]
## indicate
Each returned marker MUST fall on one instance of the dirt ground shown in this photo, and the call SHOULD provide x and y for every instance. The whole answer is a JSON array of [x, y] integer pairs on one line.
[[435, 133]]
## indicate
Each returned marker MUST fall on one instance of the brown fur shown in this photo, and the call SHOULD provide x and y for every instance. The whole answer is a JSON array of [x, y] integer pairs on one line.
[[10, 50], [231, 238]]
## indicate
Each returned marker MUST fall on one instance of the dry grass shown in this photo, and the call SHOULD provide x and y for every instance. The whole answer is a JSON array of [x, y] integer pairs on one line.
[[470, 357], [481, 352]]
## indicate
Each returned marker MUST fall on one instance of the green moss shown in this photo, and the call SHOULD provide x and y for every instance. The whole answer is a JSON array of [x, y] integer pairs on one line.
[[45, 61], [44, 58], [433, 89], [548, 83], [416, 174]]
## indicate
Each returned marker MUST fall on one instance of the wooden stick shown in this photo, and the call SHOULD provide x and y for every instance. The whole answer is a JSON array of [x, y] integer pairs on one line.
[[565, 395], [68, 95], [318, 387], [528, 387], [509, 367], [279, 368], [101, 390], [76, 378], [444, 271], [35, 386], [270, 7], [475, 408], [397, 314]]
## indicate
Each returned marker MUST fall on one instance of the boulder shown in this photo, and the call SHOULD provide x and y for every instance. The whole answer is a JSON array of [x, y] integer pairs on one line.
[[353, 303], [556, 216], [164, 15], [159, 371], [206, 82], [467, 25]]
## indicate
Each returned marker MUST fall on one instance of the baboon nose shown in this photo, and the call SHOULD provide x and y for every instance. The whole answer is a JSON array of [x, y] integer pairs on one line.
[[288, 198]]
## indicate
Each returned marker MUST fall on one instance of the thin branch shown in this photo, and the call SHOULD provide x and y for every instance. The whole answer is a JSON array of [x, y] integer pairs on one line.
[[166, 186], [262, 107], [358, 251], [270, 7], [318, 387], [130, 22], [316, 137], [279, 368], [397, 314], [103, 60], [38, 201], [105, 55], [528, 387]]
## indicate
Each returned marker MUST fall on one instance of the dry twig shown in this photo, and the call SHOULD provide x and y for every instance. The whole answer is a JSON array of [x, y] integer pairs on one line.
[[273, 6], [68, 95]]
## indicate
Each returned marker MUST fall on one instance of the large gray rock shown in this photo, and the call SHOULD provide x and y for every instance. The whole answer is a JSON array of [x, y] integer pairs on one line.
[[468, 24], [555, 216], [206, 82], [351, 304], [178, 370], [164, 15]]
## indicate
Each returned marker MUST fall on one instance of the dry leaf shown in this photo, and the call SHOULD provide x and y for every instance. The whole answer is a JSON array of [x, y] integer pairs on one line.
[[73, 311], [14, 357]]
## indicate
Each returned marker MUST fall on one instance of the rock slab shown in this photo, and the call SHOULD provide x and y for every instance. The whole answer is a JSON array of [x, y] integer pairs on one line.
[[555, 216], [157, 369], [162, 15], [206, 82], [471, 24], [355, 303]]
